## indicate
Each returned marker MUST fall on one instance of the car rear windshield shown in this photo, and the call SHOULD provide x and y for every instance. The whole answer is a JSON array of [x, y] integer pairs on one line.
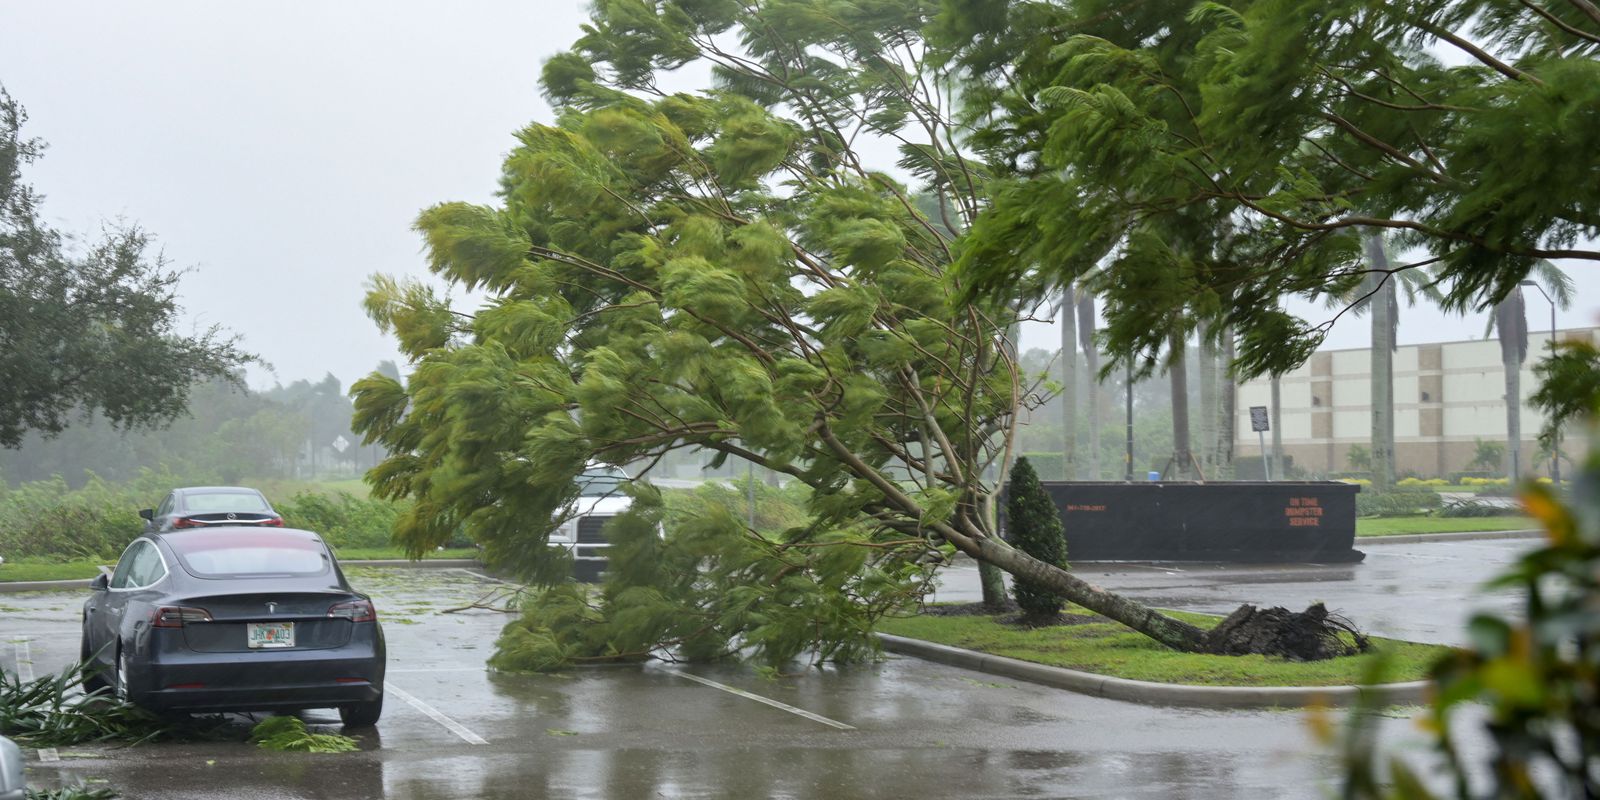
[[226, 554], [225, 501]]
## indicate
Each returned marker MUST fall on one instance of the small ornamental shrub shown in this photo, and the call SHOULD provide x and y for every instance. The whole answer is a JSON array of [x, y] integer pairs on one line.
[[1034, 527], [1398, 502]]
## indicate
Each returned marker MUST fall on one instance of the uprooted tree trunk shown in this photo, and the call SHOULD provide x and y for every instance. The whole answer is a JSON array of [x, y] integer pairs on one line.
[[1302, 636], [1310, 635]]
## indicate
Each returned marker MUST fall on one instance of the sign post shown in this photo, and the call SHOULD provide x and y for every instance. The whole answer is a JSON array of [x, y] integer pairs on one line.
[[1258, 423]]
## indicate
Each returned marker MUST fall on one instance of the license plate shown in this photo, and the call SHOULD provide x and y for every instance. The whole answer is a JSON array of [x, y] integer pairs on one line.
[[270, 634]]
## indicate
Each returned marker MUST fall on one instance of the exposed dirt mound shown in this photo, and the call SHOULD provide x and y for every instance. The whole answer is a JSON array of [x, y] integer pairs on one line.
[[1310, 635]]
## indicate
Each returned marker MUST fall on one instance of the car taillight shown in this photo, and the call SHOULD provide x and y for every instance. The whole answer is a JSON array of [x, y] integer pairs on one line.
[[355, 611], [185, 522], [177, 616], [276, 522]]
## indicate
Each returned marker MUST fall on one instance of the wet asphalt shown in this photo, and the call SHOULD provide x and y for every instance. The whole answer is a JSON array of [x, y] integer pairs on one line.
[[899, 728]]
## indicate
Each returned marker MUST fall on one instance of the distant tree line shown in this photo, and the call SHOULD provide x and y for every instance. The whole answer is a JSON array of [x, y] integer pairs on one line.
[[230, 434]]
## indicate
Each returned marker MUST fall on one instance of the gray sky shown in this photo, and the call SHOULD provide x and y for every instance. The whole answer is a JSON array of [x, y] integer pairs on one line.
[[283, 150]]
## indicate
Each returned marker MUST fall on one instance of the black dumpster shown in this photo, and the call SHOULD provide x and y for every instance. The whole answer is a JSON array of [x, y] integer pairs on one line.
[[1255, 521]]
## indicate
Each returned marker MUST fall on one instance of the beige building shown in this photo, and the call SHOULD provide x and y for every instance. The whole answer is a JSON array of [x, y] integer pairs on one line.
[[1446, 397]]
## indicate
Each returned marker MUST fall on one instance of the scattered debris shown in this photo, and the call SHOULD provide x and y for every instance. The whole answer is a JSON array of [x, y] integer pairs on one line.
[[290, 735]]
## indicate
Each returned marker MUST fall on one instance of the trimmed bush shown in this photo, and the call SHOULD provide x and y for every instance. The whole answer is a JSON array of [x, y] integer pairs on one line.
[[1034, 527], [1479, 508], [1400, 502], [1423, 482]]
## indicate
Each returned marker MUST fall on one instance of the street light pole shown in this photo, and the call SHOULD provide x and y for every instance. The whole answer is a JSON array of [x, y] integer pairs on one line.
[[1555, 447]]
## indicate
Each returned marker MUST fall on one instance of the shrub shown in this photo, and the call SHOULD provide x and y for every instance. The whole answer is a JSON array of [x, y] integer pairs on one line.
[[342, 519], [1408, 482], [47, 519], [1479, 508], [1400, 502], [1034, 527]]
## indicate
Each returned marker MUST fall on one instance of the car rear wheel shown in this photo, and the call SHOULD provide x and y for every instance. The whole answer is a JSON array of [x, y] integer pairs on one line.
[[362, 715], [122, 675], [94, 678]]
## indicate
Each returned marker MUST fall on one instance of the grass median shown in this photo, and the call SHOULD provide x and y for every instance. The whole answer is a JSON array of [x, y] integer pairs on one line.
[[1090, 643], [1396, 526]]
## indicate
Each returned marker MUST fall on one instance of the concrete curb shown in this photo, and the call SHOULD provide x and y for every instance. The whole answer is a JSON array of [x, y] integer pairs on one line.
[[1460, 536], [1162, 694], [435, 563]]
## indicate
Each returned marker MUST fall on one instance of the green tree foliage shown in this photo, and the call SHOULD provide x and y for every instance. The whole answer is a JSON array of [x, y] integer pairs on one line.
[[1229, 154], [721, 270], [1359, 458], [1487, 455], [1569, 387], [1034, 525], [712, 588], [90, 329]]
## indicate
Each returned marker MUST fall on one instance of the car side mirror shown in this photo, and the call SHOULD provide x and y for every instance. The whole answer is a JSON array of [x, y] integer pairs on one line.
[[13, 785], [100, 582], [147, 514]]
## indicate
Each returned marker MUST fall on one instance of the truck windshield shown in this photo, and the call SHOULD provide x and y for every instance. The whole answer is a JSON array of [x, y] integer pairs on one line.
[[601, 481]]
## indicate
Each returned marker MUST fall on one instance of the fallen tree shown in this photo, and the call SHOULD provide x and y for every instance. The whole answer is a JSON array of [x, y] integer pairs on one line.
[[722, 271]]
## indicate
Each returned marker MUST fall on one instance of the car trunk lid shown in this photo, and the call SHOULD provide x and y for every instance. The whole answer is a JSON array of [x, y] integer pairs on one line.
[[268, 616]]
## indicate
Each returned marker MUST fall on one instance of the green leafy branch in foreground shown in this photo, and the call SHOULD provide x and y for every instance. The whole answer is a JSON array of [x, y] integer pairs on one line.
[[290, 735], [1534, 673], [50, 712]]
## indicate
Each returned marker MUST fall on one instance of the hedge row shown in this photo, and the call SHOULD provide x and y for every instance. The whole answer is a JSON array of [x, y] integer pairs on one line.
[[49, 520]]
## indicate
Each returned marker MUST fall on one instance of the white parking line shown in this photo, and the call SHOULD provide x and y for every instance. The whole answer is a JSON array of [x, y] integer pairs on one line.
[[25, 674], [482, 576], [434, 714], [767, 700]]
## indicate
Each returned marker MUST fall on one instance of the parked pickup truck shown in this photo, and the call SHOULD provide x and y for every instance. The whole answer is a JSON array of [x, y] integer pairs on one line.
[[600, 498]]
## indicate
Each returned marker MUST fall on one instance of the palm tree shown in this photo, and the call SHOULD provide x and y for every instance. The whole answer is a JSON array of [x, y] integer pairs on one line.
[[1178, 374], [1379, 292], [1210, 402], [1077, 328], [1091, 360], [1510, 319], [1069, 384]]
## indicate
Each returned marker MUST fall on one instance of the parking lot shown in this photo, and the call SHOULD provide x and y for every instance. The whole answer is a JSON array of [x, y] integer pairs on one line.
[[898, 728]]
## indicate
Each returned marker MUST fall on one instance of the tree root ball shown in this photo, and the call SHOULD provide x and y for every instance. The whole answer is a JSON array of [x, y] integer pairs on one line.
[[1310, 635]]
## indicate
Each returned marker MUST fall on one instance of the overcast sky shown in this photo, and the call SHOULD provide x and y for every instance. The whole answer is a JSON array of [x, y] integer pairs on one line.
[[283, 150]]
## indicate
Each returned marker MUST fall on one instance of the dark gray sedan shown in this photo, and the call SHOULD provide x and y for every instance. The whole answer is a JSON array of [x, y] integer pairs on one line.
[[235, 619], [210, 506]]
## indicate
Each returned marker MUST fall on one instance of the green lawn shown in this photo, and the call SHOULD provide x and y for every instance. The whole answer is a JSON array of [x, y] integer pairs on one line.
[[13, 571], [1393, 526], [1107, 648]]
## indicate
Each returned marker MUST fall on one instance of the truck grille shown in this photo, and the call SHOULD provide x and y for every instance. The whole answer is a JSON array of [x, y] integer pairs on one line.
[[589, 529]]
